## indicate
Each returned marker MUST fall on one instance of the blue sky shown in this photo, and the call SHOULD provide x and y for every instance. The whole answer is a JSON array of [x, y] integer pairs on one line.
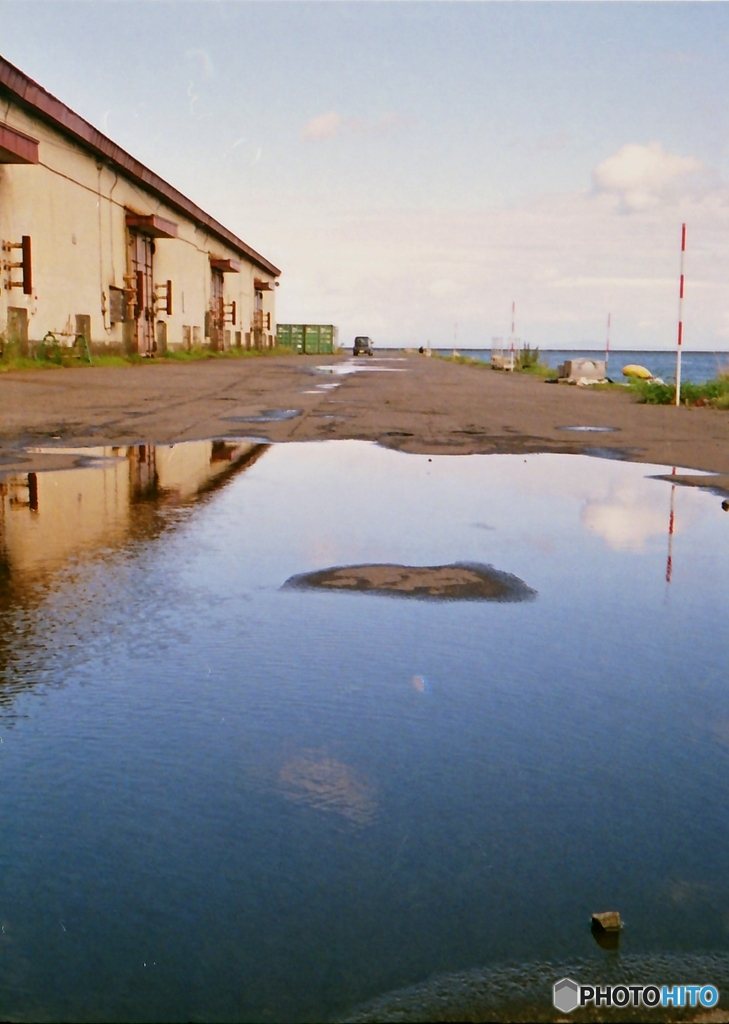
[[411, 166]]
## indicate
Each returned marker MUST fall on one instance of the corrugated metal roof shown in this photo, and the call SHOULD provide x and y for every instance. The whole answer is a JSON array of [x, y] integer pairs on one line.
[[43, 105]]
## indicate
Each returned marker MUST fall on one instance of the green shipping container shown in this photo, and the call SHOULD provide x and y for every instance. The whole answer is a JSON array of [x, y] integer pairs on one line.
[[326, 339], [297, 337], [311, 339], [314, 339]]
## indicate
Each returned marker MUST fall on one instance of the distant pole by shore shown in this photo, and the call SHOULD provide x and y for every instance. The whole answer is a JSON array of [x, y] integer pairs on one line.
[[607, 345]]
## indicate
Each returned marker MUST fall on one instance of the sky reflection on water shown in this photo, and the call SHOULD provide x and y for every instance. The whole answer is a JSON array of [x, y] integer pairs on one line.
[[223, 800]]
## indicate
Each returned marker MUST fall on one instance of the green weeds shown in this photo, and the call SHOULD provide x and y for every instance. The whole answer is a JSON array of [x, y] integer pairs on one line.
[[50, 355], [527, 362], [714, 393]]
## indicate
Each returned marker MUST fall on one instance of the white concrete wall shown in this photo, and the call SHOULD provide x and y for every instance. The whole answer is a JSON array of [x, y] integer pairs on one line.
[[73, 207]]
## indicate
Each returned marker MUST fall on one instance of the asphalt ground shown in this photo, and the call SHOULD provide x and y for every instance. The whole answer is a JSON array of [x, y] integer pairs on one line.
[[406, 402]]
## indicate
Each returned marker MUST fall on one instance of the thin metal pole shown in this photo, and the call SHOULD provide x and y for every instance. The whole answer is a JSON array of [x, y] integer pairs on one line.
[[607, 346], [512, 354], [680, 315]]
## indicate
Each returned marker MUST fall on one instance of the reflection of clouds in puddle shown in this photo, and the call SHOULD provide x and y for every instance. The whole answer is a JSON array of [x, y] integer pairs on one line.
[[628, 517], [326, 784], [548, 505]]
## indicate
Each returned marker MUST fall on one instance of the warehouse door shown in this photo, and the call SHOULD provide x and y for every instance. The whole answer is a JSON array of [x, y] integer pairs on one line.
[[258, 321], [217, 310], [141, 253]]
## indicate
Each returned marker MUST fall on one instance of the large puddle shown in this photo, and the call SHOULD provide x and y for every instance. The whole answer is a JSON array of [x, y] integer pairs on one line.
[[227, 799]]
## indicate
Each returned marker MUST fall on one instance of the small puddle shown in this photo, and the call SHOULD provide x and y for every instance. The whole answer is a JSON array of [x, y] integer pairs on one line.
[[359, 365], [266, 416], [591, 430]]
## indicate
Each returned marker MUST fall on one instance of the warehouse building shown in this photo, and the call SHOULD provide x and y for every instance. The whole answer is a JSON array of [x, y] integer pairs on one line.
[[98, 249]]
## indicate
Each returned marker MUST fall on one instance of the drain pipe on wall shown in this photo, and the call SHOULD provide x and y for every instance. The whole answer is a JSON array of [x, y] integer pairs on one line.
[[680, 316]]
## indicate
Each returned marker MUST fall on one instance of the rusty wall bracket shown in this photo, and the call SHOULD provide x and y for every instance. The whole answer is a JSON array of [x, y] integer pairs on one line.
[[25, 264], [131, 297], [163, 298]]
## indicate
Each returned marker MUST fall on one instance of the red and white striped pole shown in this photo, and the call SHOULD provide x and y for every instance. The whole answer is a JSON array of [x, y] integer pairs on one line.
[[680, 315], [607, 346], [671, 528]]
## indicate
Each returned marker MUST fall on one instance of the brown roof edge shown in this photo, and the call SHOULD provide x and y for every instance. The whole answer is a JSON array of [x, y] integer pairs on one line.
[[151, 224], [46, 107], [16, 147], [225, 266]]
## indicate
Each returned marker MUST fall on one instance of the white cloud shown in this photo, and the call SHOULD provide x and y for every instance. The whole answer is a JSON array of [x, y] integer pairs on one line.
[[325, 126], [642, 177], [405, 275]]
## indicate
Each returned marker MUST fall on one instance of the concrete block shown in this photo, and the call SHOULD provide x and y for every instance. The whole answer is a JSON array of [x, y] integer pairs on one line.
[[579, 369]]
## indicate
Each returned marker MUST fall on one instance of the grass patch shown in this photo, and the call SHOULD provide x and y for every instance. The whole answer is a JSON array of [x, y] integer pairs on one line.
[[714, 393], [463, 360], [527, 362], [197, 354], [538, 370], [54, 357]]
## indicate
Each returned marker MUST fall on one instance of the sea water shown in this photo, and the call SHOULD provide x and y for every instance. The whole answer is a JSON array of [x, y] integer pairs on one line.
[[697, 367]]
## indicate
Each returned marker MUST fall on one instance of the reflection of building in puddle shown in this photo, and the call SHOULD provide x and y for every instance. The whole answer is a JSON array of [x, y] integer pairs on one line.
[[328, 785], [48, 516], [184, 470]]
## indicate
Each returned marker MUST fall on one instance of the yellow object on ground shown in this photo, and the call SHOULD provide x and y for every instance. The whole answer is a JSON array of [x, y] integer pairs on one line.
[[635, 370]]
